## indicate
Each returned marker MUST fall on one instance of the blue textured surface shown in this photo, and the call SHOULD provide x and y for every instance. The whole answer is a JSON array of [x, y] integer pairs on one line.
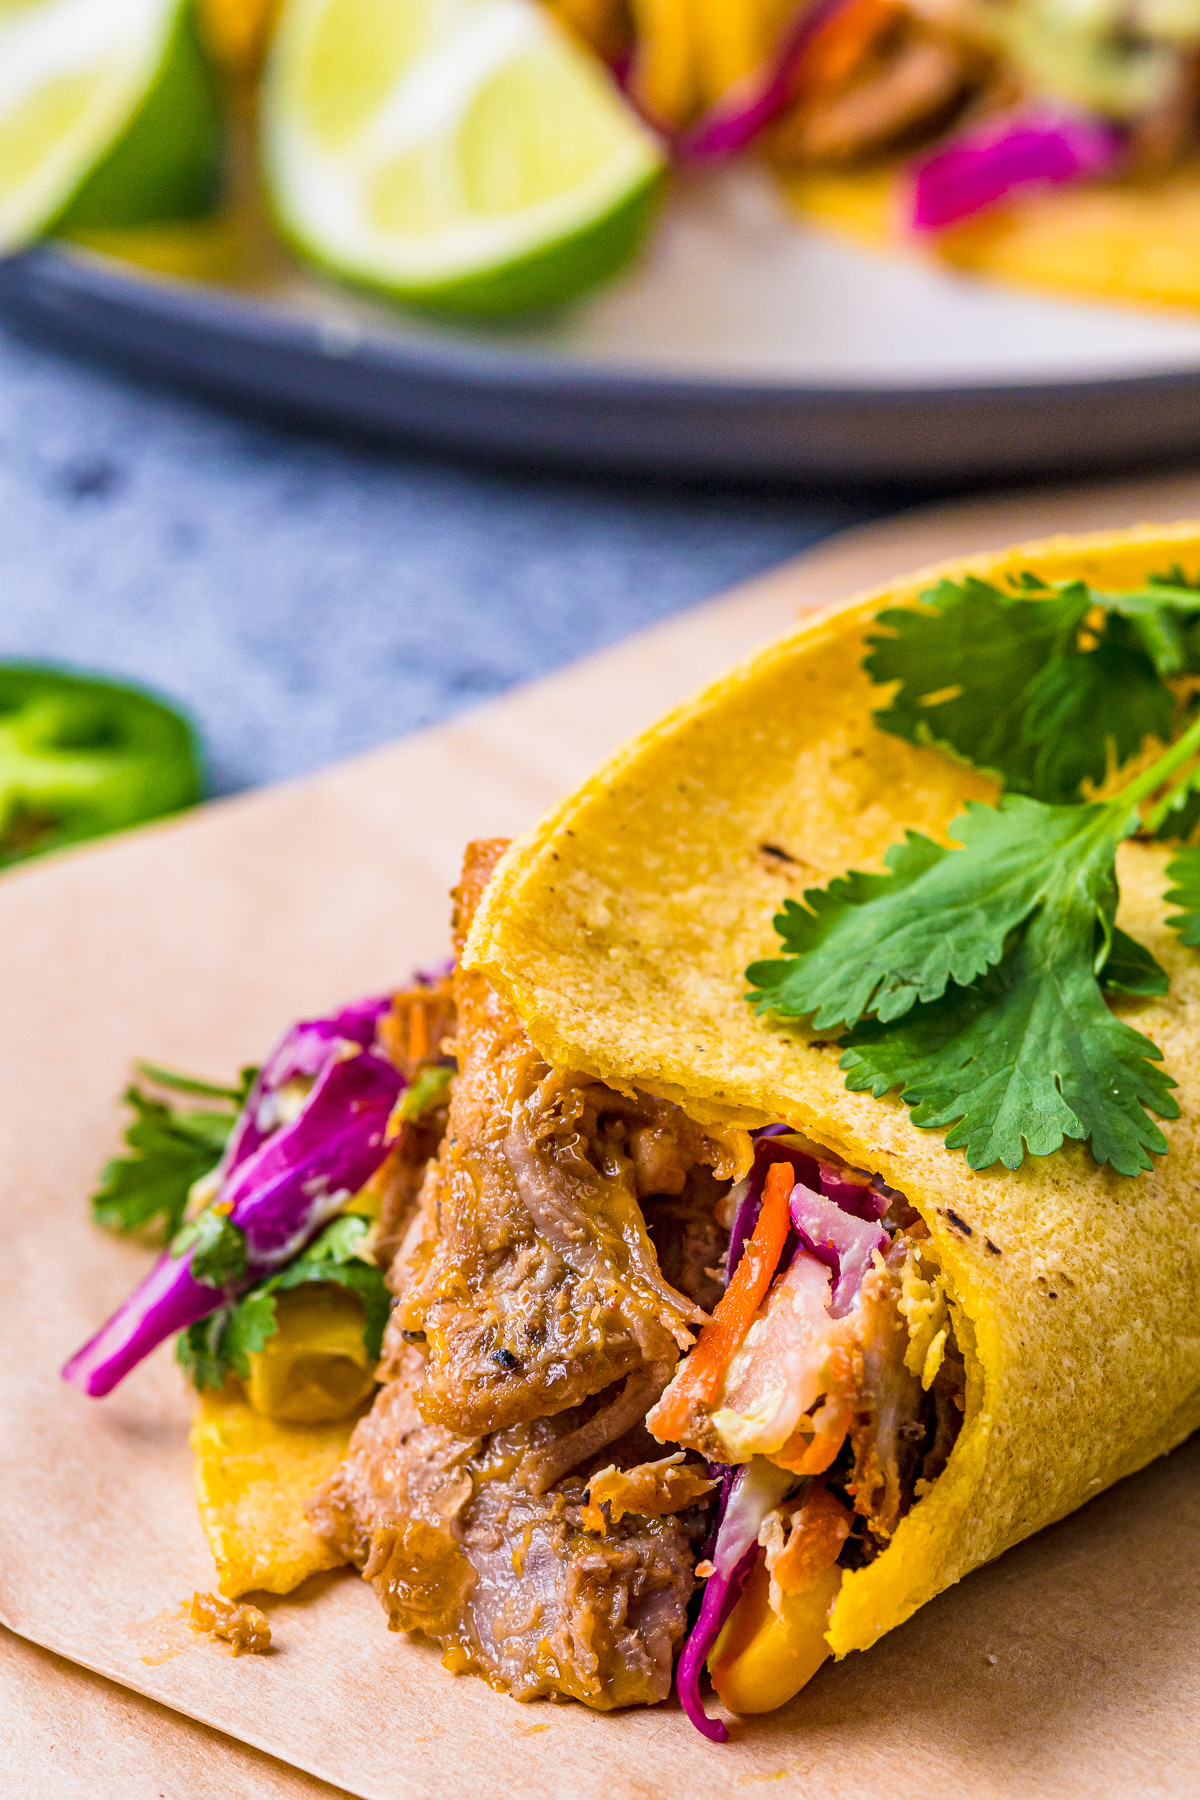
[[306, 599]]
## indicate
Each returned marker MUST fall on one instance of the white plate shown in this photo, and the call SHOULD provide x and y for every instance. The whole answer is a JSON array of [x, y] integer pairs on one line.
[[744, 344]]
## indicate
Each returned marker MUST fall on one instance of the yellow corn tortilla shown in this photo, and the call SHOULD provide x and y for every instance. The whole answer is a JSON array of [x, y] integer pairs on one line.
[[253, 1475], [620, 928], [1127, 241]]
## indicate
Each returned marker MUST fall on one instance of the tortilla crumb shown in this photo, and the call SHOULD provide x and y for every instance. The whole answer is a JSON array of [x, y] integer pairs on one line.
[[244, 1628]]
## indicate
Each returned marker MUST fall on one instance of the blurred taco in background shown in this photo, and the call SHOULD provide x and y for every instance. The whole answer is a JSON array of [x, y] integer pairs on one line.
[[616, 1328], [1040, 141]]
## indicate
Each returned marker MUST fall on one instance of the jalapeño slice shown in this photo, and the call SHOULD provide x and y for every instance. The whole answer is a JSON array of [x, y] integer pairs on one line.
[[80, 757]]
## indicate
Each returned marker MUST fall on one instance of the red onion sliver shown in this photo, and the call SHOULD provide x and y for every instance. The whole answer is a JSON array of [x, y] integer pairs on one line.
[[739, 116], [754, 1491], [977, 168]]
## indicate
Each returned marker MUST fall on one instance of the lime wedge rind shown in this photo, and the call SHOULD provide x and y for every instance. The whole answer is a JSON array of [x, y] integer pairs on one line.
[[75, 75], [468, 185], [167, 164]]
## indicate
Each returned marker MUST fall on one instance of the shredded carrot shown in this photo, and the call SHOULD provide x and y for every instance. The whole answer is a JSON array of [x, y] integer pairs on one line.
[[840, 45], [819, 1530], [418, 1032], [811, 1454], [702, 1373]]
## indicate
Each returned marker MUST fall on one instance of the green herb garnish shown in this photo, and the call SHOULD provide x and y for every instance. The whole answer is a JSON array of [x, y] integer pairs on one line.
[[426, 1092], [172, 1147], [1185, 873], [223, 1342], [1046, 686], [218, 1248], [974, 979]]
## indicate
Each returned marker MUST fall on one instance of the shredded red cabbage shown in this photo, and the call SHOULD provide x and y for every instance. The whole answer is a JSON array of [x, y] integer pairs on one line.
[[301, 1052], [739, 116], [167, 1301], [853, 1192], [748, 1494], [1041, 145], [306, 1171], [767, 1150], [840, 1227], [841, 1241], [279, 1193]]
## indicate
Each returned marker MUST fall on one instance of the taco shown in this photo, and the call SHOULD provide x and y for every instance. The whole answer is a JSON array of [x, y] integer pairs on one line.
[[1039, 141], [707, 1348]]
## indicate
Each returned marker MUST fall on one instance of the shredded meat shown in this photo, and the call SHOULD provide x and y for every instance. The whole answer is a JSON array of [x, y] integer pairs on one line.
[[687, 1234], [885, 1432], [508, 1581], [914, 78], [412, 1035], [946, 1401], [901, 1436], [649, 1489], [504, 1496], [244, 1628], [536, 1284]]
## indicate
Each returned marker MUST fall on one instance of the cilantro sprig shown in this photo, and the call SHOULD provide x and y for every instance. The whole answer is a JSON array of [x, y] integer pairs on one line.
[[223, 1343], [171, 1147], [1047, 685], [217, 1245], [974, 979]]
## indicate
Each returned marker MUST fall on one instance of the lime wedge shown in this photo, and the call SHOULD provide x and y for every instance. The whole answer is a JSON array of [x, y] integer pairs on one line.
[[108, 115], [460, 154]]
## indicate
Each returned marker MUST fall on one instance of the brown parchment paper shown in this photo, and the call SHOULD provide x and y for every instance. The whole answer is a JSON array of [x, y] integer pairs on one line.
[[67, 1734], [1071, 1667]]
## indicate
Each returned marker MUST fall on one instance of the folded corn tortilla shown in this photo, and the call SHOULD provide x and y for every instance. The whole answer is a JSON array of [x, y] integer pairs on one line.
[[1127, 240], [253, 1476], [620, 927]]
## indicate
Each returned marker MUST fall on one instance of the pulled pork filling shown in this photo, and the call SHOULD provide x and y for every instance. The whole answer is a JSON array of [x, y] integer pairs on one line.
[[568, 1242]]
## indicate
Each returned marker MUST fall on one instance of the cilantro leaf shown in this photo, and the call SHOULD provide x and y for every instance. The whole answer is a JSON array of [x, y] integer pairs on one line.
[[251, 1322], [982, 968], [1129, 968], [217, 1245], [1028, 684], [1026, 1058], [171, 1150], [223, 1343], [1185, 873], [881, 943], [1081, 703], [337, 1255], [964, 663], [198, 1351], [1163, 615]]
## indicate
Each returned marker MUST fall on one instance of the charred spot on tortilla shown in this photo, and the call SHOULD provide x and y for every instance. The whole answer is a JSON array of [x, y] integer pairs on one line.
[[958, 1222]]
